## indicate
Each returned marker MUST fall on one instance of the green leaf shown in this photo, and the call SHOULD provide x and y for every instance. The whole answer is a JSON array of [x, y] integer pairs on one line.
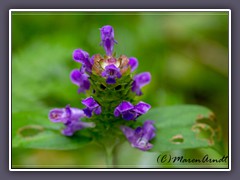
[[26, 118], [183, 127], [35, 130], [48, 139]]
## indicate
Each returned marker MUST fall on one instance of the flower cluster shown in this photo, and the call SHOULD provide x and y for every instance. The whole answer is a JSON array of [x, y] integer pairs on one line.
[[108, 79]]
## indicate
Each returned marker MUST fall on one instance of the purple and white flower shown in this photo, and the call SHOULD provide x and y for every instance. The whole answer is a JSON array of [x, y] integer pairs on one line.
[[71, 118], [91, 107], [140, 137]]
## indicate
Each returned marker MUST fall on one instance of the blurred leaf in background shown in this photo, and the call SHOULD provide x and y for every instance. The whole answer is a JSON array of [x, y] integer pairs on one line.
[[186, 53]]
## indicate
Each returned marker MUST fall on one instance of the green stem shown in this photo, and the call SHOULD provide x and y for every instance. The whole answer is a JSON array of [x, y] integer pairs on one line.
[[109, 157], [110, 153]]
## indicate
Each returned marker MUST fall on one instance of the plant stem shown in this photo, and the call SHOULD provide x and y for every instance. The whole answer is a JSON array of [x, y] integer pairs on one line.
[[111, 153], [109, 157]]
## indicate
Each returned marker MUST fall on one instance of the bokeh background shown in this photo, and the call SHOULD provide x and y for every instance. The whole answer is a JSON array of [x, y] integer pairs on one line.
[[186, 53]]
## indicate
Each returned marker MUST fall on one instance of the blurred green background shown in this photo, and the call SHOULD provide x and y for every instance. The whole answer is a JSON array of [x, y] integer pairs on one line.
[[186, 53]]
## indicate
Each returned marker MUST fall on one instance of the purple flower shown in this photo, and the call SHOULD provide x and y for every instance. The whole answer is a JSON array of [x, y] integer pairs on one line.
[[82, 56], [126, 109], [133, 62], [71, 118], [79, 78], [76, 125], [141, 108], [111, 72], [108, 41], [140, 137], [65, 115], [130, 112], [140, 80], [91, 106]]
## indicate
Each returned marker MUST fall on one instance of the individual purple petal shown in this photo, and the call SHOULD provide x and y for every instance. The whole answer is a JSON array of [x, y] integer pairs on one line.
[[92, 59], [122, 107], [149, 130], [116, 112], [129, 115], [125, 106], [90, 102], [91, 106], [74, 126], [75, 113], [98, 110], [108, 41], [75, 76], [142, 107], [80, 79], [140, 80], [82, 56], [133, 62], [111, 72], [65, 114], [88, 112], [128, 132], [140, 137]]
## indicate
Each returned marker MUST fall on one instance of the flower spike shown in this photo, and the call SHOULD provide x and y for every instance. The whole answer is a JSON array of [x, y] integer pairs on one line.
[[111, 89]]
